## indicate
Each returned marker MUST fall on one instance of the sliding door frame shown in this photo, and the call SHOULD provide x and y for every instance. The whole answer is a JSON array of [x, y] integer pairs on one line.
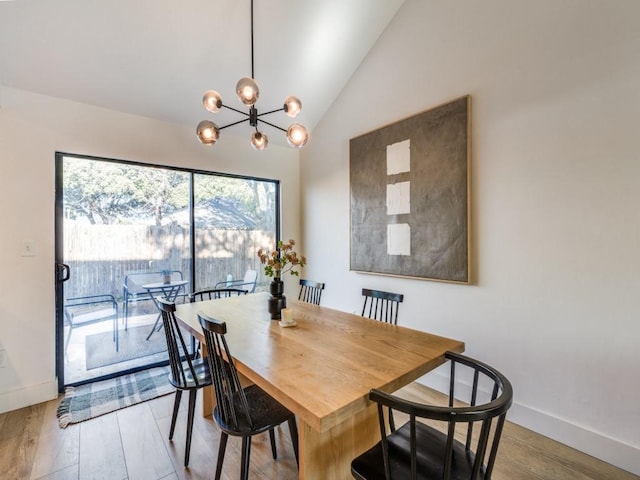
[[59, 246]]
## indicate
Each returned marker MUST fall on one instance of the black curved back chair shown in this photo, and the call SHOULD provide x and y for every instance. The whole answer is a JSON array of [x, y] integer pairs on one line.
[[241, 412], [419, 451], [186, 373], [212, 294], [310, 291], [381, 305], [215, 293]]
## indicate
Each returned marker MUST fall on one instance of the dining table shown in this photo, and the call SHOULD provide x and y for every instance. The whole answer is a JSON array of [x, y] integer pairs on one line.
[[322, 369]]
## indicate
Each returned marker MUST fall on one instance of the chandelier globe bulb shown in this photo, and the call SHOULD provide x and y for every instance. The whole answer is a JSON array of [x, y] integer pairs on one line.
[[207, 132], [297, 135], [259, 140], [292, 106], [247, 91], [212, 101]]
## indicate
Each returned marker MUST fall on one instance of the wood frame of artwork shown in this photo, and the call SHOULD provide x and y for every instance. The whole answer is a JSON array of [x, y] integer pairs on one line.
[[410, 196]]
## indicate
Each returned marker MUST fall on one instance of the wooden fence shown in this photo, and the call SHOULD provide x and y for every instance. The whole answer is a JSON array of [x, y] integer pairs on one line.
[[99, 256]]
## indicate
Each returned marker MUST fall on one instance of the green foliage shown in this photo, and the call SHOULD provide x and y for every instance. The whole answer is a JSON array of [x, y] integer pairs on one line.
[[114, 193], [108, 192]]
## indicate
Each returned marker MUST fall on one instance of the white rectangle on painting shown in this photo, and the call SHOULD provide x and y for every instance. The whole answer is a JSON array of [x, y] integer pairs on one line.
[[399, 157], [398, 239], [399, 198]]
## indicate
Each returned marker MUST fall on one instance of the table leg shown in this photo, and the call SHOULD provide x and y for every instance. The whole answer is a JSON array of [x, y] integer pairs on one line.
[[208, 396], [155, 326], [328, 455]]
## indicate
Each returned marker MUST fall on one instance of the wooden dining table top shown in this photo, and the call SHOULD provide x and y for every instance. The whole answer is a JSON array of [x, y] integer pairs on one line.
[[323, 368]]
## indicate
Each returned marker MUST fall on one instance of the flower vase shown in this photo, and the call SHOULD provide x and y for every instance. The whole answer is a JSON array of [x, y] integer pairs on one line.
[[277, 300]]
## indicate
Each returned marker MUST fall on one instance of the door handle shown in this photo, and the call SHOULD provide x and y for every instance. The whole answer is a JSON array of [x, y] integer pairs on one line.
[[64, 272]]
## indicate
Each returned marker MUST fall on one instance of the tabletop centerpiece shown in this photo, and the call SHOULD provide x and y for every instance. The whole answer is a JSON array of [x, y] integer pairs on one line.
[[276, 263], [166, 276]]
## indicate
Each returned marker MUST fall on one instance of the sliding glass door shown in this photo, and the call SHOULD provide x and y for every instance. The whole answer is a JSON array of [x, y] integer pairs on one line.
[[233, 219], [126, 233]]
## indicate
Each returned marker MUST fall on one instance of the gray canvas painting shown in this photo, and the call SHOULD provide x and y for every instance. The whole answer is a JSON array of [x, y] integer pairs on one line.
[[410, 196]]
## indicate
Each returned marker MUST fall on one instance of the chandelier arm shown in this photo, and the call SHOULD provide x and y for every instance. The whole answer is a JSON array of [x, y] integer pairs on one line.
[[234, 123], [236, 110], [274, 126], [272, 111]]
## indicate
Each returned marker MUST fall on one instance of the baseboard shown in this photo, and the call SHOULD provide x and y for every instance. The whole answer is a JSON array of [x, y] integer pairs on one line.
[[604, 448], [27, 396]]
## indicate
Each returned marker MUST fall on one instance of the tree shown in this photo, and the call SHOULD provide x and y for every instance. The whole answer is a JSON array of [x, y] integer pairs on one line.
[[108, 192], [105, 192]]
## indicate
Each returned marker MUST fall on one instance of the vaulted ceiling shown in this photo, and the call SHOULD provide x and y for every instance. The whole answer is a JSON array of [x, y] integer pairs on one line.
[[156, 58]]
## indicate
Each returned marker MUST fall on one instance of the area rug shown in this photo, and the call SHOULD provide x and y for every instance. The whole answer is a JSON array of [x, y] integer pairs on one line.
[[101, 350], [98, 398]]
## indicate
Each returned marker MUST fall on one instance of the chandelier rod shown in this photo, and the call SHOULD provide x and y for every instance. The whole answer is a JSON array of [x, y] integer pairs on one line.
[[235, 123], [272, 111], [252, 72], [274, 126], [235, 109]]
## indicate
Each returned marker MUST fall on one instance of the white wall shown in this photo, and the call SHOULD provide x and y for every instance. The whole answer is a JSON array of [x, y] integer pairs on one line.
[[32, 128], [555, 302]]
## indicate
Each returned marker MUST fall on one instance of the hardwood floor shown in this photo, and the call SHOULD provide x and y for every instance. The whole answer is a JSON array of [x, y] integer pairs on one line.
[[133, 444]]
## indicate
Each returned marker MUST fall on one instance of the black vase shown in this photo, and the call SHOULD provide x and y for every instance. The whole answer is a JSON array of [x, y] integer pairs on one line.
[[277, 301]]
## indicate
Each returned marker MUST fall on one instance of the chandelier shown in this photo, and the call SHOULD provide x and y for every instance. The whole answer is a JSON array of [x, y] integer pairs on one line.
[[248, 93]]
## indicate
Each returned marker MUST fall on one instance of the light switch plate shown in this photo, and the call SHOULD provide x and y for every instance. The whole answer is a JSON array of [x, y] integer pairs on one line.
[[28, 248]]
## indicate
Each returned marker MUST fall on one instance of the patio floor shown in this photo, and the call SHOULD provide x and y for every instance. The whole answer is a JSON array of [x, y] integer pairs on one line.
[[76, 352]]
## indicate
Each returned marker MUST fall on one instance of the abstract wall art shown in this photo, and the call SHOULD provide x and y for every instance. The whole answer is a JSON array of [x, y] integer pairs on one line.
[[410, 196]]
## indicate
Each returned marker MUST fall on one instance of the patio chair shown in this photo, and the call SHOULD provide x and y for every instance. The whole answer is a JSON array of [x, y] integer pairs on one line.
[[89, 309], [247, 283]]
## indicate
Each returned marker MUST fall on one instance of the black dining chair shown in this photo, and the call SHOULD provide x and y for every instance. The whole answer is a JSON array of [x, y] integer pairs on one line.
[[241, 412], [381, 305], [212, 294], [187, 373], [215, 293], [419, 451], [310, 291]]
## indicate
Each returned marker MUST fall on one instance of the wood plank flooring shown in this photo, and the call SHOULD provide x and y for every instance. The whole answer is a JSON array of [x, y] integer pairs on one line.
[[132, 444]]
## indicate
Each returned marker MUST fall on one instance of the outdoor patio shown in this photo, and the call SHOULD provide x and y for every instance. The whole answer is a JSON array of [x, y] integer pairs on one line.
[[91, 351]]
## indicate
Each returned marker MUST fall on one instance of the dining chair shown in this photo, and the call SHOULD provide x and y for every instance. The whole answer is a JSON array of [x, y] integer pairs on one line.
[[212, 294], [240, 411], [381, 305], [310, 291], [215, 293], [187, 373], [421, 451]]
